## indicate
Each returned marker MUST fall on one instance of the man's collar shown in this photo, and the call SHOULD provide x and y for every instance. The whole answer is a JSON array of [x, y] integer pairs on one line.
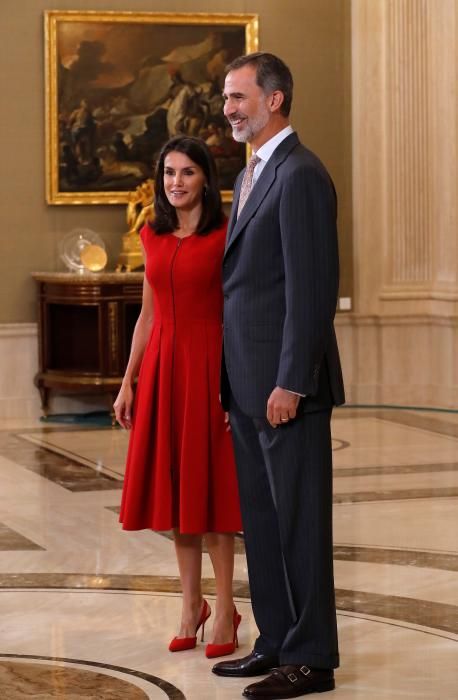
[[266, 150]]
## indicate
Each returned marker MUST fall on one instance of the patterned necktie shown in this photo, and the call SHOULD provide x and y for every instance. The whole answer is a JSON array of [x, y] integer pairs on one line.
[[247, 182]]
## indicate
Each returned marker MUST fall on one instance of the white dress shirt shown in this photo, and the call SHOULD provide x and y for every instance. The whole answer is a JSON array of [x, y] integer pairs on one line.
[[266, 150]]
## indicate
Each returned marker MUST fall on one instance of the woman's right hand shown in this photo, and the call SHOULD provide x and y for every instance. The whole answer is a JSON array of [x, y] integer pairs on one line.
[[123, 406]]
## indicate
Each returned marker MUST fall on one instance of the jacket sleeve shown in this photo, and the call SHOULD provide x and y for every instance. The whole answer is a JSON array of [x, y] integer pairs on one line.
[[311, 267]]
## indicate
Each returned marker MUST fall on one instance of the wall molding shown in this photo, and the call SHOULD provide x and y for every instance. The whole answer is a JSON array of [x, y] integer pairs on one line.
[[19, 397], [19, 349], [404, 359], [18, 330], [396, 359], [422, 294], [355, 319]]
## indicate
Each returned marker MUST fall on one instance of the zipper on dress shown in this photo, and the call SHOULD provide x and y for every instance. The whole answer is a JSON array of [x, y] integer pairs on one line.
[[172, 441]]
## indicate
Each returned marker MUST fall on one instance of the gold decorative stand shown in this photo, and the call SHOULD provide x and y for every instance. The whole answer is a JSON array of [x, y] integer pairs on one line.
[[140, 209]]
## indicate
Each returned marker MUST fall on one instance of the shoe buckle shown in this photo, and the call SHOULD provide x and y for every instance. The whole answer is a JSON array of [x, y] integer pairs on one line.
[[304, 670], [292, 677]]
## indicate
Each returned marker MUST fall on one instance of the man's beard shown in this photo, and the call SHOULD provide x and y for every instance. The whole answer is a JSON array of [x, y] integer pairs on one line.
[[251, 127]]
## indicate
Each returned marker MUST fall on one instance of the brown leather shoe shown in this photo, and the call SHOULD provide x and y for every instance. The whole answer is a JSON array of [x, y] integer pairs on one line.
[[291, 682]]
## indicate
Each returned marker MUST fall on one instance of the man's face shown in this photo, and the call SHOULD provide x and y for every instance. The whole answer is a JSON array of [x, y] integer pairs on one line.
[[245, 104]]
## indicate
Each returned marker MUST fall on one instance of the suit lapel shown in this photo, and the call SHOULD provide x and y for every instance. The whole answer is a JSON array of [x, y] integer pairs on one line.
[[259, 191], [235, 205]]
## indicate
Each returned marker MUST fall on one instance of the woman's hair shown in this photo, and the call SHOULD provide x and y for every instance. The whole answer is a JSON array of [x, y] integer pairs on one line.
[[165, 219]]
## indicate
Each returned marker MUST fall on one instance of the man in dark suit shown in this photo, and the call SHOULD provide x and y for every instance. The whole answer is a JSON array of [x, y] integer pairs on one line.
[[281, 376]]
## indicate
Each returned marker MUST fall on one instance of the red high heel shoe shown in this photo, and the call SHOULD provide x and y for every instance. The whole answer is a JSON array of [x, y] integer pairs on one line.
[[213, 650], [184, 643]]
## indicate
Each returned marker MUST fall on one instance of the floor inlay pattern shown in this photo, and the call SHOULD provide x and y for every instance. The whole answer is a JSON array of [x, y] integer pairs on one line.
[[395, 495], [437, 616], [10, 540], [398, 469], [79, 593], [437, 423], [20, 677], [377, 555], [64, 471], [19, 680], [400, 557], [425, 613]]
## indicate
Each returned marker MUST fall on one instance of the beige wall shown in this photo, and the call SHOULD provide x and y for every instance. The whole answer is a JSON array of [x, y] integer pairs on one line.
[[313, 37], [400, 345], [375, 98]]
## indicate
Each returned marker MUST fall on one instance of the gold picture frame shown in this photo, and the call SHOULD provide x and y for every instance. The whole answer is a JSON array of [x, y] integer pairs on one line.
[[119, 84]]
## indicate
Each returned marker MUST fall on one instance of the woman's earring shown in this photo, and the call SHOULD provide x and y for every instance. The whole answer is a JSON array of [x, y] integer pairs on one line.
[[205, 192]]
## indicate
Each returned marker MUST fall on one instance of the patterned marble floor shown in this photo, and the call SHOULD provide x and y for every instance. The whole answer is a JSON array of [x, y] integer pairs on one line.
[[87, 610]]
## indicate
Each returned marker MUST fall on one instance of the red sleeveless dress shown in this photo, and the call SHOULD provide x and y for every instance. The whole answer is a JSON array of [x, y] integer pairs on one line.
[[180, 470]]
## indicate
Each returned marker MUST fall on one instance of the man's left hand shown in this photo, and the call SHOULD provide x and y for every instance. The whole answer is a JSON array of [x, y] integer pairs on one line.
[[281, 407]]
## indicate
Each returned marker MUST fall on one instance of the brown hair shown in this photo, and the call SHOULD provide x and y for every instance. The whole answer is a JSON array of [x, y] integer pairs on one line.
[[165, 220]]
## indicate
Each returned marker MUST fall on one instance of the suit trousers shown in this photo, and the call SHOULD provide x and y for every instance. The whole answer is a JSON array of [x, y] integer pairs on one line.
[[285, 483]]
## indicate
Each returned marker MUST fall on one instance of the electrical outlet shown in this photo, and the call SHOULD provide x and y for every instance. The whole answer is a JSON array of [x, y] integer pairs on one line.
[[344, 303]]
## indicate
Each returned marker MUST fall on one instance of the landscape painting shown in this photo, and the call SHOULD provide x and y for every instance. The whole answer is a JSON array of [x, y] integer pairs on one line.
[[119, 85]]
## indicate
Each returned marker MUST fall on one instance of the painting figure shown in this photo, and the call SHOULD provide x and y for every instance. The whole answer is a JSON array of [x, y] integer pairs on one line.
[[82, 128]]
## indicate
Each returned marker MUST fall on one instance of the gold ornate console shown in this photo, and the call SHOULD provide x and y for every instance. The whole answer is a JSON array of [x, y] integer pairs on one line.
[[85, 329]]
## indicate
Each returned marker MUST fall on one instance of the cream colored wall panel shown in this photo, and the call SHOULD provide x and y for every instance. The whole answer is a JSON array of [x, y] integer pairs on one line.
[[345, 339], [443, 129], [19, 352], [368, 142], [407, 352], [399, 360], [19, 397], [367, 353], [408, 165]]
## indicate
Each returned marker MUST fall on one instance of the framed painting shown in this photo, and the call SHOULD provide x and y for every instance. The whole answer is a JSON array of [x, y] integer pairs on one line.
[[120, 84]]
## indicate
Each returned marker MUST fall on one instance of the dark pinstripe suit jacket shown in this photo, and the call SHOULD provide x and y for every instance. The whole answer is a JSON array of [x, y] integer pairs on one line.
[[280, 280]]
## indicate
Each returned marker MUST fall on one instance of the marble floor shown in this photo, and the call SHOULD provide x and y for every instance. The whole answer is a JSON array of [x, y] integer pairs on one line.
[[87, 610]]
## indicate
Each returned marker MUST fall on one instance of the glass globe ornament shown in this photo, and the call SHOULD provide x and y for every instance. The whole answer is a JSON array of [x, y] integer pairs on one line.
[[73, 245]]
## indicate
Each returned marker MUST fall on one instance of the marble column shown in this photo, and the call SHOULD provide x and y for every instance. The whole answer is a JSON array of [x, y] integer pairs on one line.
[[400, 345]]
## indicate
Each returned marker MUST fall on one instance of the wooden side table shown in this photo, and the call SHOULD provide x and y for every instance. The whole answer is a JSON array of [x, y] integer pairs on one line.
[[85, 329]]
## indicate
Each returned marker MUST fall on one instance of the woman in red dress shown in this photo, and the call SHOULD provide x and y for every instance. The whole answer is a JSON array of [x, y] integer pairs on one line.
[[180, 472]]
